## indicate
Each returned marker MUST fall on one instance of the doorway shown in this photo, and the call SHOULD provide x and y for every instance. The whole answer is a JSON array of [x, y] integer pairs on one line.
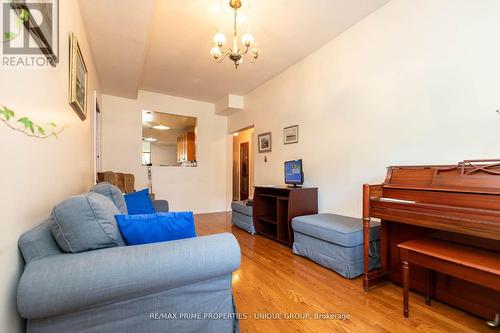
[[243, 164], [244, 170]]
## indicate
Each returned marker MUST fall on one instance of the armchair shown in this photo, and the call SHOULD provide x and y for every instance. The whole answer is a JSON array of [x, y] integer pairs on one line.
[[125, 182]]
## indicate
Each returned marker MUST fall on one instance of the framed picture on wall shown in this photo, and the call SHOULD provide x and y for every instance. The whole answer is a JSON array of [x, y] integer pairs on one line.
[[291, 134], [264, 141], [78, 77]]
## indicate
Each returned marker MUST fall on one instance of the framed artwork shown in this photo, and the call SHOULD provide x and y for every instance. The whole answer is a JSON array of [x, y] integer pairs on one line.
[[78, 77], [291, 134], [264, 141], [44, 31]]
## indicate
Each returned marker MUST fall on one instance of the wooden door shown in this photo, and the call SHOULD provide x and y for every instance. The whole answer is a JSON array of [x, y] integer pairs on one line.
[[244, 171]]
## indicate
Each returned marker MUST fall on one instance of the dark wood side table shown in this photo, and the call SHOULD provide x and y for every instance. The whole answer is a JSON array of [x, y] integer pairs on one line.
[[275, 207]]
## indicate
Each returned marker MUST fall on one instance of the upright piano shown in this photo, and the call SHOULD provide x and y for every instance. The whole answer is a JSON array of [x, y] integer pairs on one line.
[[458, 203]]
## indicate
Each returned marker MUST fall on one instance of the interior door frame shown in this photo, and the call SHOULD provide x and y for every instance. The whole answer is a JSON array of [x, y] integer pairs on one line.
[[97, 137]]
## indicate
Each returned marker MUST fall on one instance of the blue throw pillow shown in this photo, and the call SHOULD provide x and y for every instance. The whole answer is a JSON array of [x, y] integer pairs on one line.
[[153, 228], [139, 203]]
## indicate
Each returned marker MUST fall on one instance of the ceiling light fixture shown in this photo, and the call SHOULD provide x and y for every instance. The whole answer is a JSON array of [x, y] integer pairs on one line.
[[150, 139], [161, 127], [234, 53]]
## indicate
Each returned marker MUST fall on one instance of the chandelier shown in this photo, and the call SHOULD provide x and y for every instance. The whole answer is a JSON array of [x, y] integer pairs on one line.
[[235, 53]]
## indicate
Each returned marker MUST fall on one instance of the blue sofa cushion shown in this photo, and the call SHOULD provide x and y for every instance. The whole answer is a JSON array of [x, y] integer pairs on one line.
[[113, 193], [154, 228], [139, 203], [336, 229], [86, 222]]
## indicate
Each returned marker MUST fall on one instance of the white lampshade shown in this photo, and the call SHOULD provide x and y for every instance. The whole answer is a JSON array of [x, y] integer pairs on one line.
[[255, 51], [247, 39], [216, 52], [220, 38]]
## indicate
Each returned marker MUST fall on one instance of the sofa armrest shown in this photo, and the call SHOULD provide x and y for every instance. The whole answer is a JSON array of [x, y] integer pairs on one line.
[[160, 206], [66, 283]]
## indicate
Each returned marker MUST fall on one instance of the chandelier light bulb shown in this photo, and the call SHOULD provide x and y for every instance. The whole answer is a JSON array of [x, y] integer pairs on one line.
[[248, 39], [255, 51], [216, 52], [220, 38]]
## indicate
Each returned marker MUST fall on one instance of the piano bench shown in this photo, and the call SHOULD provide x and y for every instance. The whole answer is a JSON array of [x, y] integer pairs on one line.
[[464, 262]]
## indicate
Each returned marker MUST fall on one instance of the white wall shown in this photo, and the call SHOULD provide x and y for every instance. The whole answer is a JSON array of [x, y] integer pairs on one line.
[[416, 82], [163, 154], [202, 189], [37, 174]]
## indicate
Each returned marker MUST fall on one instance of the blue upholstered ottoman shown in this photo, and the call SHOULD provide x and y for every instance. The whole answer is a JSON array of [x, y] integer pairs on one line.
[[336, 242], [242, 216]]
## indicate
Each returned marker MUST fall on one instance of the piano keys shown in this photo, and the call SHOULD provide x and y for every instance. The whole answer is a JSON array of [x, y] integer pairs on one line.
[[458, 203]]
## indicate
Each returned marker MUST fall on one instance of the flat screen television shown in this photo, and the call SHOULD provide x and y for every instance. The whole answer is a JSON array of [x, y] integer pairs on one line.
[[294, 174]]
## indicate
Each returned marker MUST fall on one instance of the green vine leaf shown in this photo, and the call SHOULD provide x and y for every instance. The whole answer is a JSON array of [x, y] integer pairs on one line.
[[27, 126], [24, 15], [27, 123], [8, 36], [7, 113]]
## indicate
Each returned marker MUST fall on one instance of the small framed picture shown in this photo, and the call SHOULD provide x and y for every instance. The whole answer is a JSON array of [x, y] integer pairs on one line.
[[77, 79], [291, 134], [265, 142]]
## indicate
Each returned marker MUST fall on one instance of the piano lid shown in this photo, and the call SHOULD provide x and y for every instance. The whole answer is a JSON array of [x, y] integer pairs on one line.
[[469, 176]]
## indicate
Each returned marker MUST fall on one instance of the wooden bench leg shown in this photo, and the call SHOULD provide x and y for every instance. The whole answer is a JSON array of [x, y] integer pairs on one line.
[[428, 286], [406, 287]]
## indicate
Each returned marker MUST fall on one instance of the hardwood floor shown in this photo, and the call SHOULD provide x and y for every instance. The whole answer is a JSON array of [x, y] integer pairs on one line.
[[273, 280]]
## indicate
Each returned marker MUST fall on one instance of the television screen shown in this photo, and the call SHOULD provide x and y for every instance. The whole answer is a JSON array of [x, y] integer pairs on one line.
[[293, 172]]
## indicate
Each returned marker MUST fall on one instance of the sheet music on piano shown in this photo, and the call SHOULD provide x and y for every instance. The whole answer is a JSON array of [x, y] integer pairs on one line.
[[397, 200]]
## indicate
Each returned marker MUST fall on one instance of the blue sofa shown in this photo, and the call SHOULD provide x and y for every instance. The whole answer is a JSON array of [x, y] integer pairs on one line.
[[177, 286]]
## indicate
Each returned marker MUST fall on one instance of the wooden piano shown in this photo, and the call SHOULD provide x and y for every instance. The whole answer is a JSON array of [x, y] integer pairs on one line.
[[458, 203]]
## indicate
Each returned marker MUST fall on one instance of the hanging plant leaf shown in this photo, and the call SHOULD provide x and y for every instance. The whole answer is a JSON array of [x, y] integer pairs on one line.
[[27, 123], [7, 113], [24, 15], [8, 36], [40, 130]]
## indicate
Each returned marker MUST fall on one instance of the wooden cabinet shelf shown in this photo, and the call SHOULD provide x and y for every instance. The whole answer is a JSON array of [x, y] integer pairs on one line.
[[275, 207], [269, 219]]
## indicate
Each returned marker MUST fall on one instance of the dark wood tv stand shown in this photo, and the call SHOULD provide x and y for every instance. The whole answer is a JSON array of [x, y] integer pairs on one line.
[[275, 207]]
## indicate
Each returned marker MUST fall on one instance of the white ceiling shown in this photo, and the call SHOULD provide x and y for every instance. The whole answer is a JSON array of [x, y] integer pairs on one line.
[[163, 46]]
